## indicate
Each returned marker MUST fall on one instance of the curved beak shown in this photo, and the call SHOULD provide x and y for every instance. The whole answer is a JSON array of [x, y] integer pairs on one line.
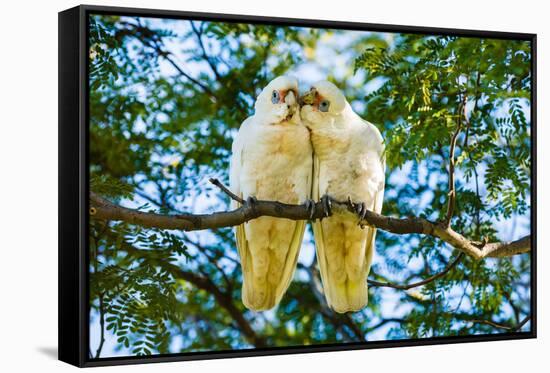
[[308, 98], [290, 99]]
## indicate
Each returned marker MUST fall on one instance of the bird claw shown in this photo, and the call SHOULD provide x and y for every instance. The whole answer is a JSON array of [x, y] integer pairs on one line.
[[251, 202], [361, 210], [310, 207], [350, 203], [327, 205]]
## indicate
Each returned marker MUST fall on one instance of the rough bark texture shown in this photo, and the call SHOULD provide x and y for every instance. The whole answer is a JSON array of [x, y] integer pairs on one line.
[[105, 210]]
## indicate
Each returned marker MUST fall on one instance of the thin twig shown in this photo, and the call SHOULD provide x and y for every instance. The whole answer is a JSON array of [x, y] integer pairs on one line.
[[502, 326], [226, 190], [207, 58], [477, 97], [451, 198], [522, 323], [154, 44], [449, 266], [102, 326], [384, 322]]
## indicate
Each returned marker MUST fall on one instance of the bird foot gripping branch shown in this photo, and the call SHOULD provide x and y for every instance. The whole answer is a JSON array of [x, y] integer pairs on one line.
[[103, 209], [326, 202], [252, 203], [310, 206]]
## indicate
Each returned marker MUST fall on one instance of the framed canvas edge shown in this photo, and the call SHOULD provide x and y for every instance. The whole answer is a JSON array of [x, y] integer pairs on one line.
[[71, 217], [78, 325], [304, 22], [534, 252], [373, 345]]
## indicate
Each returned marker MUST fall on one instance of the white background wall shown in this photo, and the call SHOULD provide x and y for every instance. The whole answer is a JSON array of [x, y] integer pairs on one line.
[[28, 186]]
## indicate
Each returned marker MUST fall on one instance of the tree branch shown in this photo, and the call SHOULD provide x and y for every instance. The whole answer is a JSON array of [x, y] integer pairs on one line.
[[451, 199], [384, 322], [477, 97], [449, 266], [512, 328], [224, 299], [205, 56], [102, 326], [522, 323], [205, 89], [106, 210], [151, 40]]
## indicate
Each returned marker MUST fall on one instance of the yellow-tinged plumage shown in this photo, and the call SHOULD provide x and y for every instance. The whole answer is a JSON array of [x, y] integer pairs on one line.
[[348, 162], [271, 160]]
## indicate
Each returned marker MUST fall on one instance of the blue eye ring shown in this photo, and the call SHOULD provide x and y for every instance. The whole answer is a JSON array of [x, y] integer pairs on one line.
[[275, 97], [324, 105]]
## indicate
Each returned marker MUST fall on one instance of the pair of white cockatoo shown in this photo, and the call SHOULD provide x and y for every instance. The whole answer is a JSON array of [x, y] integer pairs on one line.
[[298, 150]]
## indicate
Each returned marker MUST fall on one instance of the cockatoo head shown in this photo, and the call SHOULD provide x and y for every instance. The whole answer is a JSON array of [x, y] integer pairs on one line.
[[322, 103], [278, 101]]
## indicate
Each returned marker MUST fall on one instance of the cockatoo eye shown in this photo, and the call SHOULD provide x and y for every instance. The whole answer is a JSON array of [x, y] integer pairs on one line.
[[275, 97], [324, 105]]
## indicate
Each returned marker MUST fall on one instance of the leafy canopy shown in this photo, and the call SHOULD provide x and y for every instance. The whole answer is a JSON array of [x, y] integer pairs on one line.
[[166, 97]]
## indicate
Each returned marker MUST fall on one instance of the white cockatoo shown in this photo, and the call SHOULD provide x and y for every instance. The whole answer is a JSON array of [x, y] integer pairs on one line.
[[349, 164], [272, 160]]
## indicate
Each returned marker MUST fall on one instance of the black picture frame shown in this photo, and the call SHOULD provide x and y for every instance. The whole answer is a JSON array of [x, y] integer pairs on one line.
[[74, 188]]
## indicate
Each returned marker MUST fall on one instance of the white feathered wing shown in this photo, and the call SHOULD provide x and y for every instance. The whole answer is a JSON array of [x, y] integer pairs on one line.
[[345, 250], [270, 163]]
